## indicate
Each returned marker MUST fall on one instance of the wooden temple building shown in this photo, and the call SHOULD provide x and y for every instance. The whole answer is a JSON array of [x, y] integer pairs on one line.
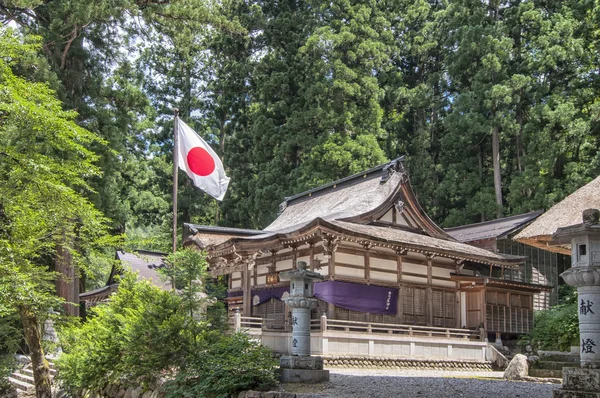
[[388, 267], [540, 266], [144, 262]]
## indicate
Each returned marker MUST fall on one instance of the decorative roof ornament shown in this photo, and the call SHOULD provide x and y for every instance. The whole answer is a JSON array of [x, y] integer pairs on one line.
[[282, 207], [399, 205], [395, 166]]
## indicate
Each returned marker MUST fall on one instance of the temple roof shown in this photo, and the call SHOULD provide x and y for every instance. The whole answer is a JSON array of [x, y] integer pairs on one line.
[[342, 199], [144, 262], [565, 213], [354, 207], [494, 229]]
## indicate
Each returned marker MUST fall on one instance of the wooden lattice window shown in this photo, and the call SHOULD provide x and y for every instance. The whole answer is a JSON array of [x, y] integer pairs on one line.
[[444, 308], [414, 304], [272, 310]]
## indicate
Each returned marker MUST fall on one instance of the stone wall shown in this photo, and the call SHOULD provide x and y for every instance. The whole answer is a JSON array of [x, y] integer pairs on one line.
[[404, 363]]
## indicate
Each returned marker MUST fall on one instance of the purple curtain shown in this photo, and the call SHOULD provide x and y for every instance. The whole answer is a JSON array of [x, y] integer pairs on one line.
[[356, 297], [267, 294]]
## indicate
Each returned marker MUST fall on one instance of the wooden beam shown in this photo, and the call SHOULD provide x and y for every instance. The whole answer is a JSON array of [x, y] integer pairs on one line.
[[367, 268], [247, 292], [429, 292]]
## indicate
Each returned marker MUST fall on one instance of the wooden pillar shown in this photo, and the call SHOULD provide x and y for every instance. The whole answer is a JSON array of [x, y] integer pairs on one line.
[[255, 275], [294, 256], [311, 256], [429, 290], [247, 291], [367, 262], [330, 306], [399, 254]]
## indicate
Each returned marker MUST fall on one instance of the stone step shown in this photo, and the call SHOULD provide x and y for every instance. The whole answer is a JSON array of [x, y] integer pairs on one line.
[[554, 365], [29, 371], [561, 358], [23, 377], [20, 385], [556, 373]]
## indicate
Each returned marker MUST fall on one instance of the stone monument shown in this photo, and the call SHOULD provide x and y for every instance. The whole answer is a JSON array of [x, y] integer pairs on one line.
[[300, 366], [585, 275]]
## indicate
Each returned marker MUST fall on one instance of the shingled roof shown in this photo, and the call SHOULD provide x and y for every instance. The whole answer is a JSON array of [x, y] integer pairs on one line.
[[352, 207], [565, 213], [494, 229], [343, 199]]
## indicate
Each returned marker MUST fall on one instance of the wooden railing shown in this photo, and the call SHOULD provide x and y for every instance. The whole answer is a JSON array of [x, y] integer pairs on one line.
[[324, 324]]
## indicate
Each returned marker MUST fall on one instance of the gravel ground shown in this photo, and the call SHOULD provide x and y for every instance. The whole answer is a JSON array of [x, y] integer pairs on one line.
[[354, 383]]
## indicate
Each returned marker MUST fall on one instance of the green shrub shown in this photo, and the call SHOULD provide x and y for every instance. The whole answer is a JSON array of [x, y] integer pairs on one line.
[[556, 329], [10, 337], [131, 339], [144, 333], [225, 365]]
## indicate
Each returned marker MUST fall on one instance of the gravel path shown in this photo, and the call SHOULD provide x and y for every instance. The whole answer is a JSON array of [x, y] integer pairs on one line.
[[354, 383]]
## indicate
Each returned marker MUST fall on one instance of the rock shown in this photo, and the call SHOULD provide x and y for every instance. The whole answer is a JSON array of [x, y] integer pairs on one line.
[[137, 393], [287, 395], [242, 394], [271, 394], [128, 393], [253, 394], [517, 368]]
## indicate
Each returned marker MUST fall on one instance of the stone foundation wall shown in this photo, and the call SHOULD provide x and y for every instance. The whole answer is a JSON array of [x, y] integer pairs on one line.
[[404, 363]]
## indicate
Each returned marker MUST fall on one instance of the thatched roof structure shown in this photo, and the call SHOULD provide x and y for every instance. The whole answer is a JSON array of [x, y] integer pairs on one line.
[[565, 213]]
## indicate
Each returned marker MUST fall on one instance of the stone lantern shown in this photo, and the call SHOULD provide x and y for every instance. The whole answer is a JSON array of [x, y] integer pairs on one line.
[[300, 366], [585, 275]]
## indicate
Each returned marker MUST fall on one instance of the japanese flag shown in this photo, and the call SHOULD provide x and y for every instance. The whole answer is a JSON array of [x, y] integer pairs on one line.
[[201, 163]]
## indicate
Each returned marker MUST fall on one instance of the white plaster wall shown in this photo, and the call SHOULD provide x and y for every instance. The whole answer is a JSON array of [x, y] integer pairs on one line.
[[352, 272], [349, 259], [383, 276], [387, 216], [284, 265], [262, 269], [414, 279], [414, 268], [383, 264], [238, 282], [437, 282], [261, 280], [443, 272]]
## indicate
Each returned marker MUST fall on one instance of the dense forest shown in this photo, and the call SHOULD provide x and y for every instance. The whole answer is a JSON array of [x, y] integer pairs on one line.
[[495, 103]]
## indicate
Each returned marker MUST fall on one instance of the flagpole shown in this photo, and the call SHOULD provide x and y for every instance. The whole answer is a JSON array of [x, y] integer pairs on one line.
[[175, 172]]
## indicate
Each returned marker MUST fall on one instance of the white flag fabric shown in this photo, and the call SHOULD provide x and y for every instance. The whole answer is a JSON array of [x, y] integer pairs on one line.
[[201, 163]]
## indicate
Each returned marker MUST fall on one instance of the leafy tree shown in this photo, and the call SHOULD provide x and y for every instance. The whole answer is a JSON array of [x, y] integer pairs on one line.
[[143, 333], [45, 161]]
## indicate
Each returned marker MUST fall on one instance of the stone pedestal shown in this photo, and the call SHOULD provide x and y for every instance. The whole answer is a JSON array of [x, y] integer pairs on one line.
[[579, 383], [585, 275], [300, 367]]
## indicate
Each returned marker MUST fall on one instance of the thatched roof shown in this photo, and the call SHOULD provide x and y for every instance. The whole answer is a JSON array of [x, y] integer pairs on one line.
[[565, 213], [494, 229]]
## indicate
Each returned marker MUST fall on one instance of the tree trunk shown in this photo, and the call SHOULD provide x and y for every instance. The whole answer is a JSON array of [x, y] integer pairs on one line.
[[497, 176], [33, 338]]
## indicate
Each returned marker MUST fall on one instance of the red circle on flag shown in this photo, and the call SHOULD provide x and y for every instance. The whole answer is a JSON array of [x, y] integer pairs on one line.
[[200, 161]]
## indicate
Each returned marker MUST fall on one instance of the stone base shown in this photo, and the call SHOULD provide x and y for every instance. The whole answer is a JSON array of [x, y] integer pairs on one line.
[[303, 376], [301, 362], [579, 383], [302, 369]]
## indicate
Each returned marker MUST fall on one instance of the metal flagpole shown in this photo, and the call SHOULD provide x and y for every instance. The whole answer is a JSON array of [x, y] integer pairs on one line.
[[175, 171]]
